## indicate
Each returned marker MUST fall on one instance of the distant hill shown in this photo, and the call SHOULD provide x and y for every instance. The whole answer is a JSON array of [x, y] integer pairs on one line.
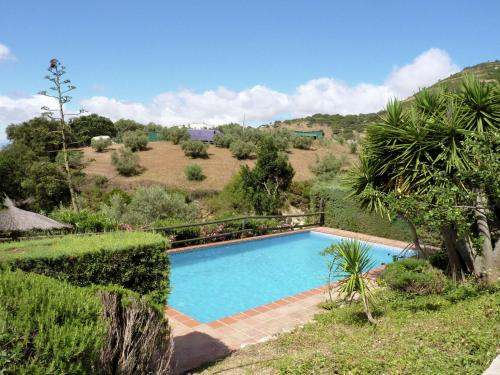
[[349, 125]]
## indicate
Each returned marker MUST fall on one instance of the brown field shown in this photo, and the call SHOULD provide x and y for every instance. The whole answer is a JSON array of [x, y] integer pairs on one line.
[[165, 162]]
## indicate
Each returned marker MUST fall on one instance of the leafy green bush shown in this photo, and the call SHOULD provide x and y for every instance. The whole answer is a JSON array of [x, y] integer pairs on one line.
[[303, 143], [100, 144], [224, 140], [175, 134], [148, 205], [353, 146], [84, 220], [135, 140], [414, 276], [179, 233], [231, 201], [134, 260], [439, 259], [51, 327], [241, 149], [194, 173], [195, 149], [126, 162], [343, 212], [327, 167]]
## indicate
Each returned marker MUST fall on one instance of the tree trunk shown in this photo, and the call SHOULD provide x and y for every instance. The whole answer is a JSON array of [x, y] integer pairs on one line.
[[455, 265], [488, 269], [414, 234], [68, 170], [367, 309]]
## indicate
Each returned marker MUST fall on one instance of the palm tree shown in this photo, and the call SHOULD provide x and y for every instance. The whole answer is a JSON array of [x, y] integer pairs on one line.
[[412, 152], [350, 261]]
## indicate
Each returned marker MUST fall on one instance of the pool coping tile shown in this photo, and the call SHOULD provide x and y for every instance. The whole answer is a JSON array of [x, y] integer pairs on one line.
[[261, 323]]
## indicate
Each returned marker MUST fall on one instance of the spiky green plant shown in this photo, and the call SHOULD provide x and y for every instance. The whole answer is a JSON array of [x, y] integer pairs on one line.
[[350, 261]]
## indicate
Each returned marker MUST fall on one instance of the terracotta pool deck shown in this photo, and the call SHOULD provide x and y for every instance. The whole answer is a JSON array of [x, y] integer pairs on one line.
[[196, 343]]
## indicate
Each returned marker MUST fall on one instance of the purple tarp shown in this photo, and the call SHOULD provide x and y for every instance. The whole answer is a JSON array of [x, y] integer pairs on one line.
[[205, 135]]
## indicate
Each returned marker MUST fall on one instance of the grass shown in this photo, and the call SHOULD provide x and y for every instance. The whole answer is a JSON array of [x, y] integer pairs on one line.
[[420, 335], [75, 245]]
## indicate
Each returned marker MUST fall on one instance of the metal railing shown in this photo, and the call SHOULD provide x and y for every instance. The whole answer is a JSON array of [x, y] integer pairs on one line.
[[245, 228]]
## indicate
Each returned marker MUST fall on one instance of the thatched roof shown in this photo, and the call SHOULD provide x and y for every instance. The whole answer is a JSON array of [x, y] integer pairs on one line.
[[13, 219]]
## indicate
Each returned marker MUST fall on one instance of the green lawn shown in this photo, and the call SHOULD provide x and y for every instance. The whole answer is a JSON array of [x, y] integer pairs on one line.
[[420, 335], [75, 245]]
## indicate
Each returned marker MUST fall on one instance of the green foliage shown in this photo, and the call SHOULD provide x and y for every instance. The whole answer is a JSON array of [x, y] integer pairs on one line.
[[353, 146], [124, 125], [48, 327], [232, 200], [242, 149], [84, 128], [281, 138], [414, 276], [178, 234], [303, 143], [134, 260], [126, 162], [148, 205], [439, 260], [224, 139], [271, 177], [194, 173], [327, 167], [100, 144], [175, 134], [195, 149], [39, 134], [135, 140], [343, 212], [349, 262], [84, 220], [229, 133]]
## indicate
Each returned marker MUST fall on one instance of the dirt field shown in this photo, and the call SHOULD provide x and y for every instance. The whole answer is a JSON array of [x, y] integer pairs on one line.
[[165, 164]]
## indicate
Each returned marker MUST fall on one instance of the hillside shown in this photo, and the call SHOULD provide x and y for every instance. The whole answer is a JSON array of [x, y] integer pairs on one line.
[[349, 125], [165, 162]]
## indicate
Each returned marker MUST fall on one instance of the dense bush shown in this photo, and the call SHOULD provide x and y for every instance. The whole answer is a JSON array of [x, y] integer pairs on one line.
[[343, 212], [51, 327], [195, 149], [327, 167], [194, 173], [224, 140], [84, 220], [134, 260], [303, 143], [439, 259], [178, 234], [175, 134], [100, 145], [148, 205], [126, 162], [353, 146], [135, 140], [414, 276], [242, 149], [231, 201], [84, 128]]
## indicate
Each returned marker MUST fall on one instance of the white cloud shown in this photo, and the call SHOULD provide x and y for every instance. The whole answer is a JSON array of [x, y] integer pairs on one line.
[[257, 104], [5, 53]]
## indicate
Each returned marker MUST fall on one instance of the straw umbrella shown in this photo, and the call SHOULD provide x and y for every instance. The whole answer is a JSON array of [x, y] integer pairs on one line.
[[15, 220]]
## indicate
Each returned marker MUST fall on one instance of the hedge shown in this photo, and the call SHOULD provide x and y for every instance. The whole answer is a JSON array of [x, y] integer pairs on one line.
[[52, 327], [133, 260]]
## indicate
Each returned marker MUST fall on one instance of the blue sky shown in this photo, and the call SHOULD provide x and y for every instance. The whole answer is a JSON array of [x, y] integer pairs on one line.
[[199, 60]]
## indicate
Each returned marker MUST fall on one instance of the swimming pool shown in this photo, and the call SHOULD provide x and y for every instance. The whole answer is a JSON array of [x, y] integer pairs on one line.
[[222, 280]]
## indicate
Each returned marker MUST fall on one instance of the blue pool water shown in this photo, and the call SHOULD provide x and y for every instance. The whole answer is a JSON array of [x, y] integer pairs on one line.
[[219, 281]]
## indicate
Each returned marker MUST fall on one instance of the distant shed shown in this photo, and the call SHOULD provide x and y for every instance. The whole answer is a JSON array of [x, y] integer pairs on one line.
[[204, 135], [316, 134], [153, 136]]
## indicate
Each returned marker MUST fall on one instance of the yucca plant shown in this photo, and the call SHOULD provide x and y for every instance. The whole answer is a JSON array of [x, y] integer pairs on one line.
[[350, 261]]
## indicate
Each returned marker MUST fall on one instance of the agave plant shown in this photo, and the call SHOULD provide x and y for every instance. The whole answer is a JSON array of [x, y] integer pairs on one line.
[[350, 261]]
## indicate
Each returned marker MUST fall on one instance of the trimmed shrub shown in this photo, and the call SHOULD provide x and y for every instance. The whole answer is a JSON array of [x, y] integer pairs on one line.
[[135, 140], [133, 260], [194, 173], [100, 145], [414, 276], [84, 220], [242, 150], [49, 326], [303, 143], [126, 162], [195, 149], [327, 167]]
